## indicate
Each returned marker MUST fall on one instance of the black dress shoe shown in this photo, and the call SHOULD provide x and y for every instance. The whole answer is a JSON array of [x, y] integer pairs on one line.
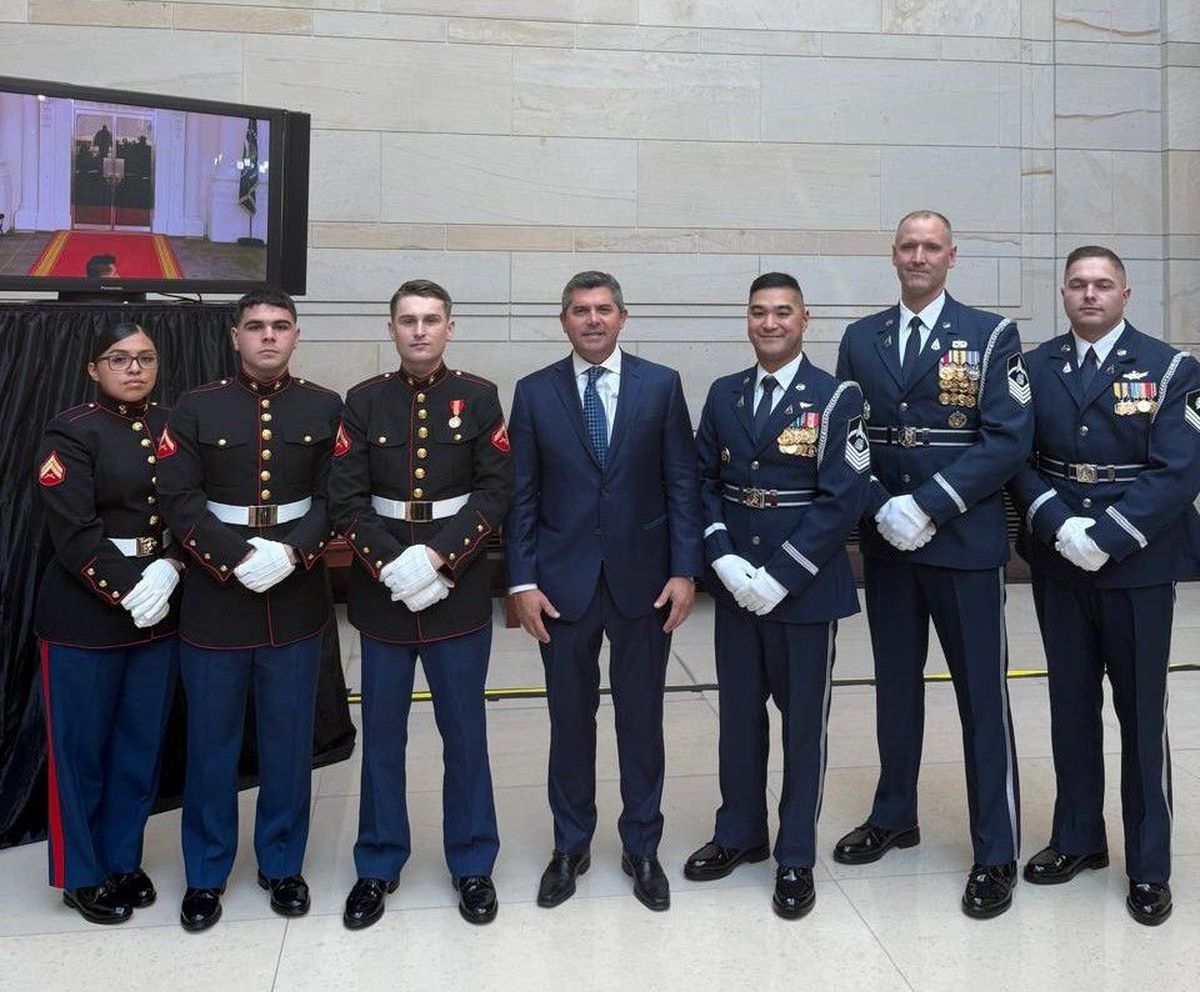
[[650, 883], [1149, 902], [1051, 867], [794, 892], [201, 908], [134, 887], [289, 896], [476, 898], [989, 890], [558, 880], [868, 843], [98, 904], [713, 861], [364, 904]]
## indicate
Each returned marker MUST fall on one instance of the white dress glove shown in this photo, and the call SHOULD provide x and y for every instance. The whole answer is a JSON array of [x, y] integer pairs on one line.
[[409, 572], [149, 600], [762, 593], [425, 597], [904, 525], [734, 572], [268, 565], [1074, 544]]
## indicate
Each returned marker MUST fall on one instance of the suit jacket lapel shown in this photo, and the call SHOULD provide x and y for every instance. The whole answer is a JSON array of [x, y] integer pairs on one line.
[[1113, 366], [940, 337], [628, 395], [885, 344], [742, 401], [568, 393], [787, 409], [1064, 367]]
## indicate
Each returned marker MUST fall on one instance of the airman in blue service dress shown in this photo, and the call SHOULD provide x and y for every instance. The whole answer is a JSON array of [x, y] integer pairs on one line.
[[423, 462], [948, 434], [107, 683], [783, 498], [240, 461], [1122, 450]]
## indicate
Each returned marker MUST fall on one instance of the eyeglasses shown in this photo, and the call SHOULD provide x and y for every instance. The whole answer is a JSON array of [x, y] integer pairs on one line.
[[121, 361]]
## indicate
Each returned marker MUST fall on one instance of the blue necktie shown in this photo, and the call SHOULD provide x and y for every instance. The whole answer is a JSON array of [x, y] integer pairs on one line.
[[763, 412], [1087, 371], [593, 415], [912, 347]]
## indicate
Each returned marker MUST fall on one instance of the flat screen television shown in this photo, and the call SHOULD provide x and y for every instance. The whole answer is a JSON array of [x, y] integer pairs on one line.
[[117, 193]]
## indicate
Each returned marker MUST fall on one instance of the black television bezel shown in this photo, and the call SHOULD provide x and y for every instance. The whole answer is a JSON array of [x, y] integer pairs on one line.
[[287, 217]]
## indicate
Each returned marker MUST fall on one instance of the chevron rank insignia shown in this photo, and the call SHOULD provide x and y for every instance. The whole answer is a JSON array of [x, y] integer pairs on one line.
[[858, 448], [53, 472], [341, 441], [1018, 380], [1191, 409], [167, 445]]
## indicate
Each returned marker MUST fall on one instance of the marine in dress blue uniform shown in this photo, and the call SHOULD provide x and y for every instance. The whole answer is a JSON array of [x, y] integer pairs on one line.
[[109, 653], [1108, 527], [949, 421], [422, 477], [784, 468], [243, 468]]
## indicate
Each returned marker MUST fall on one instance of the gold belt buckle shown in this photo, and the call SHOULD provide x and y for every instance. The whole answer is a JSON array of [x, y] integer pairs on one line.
[[146, 546], [263, 516], [1085, 473], [419, 511]]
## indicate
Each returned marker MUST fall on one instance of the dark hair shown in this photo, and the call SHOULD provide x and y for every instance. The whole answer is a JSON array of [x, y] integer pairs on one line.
[[777, 280], [109, 336], [593, 280], [419, 287], [98, 263], [1094, 251], [926, 215], [263, 298]]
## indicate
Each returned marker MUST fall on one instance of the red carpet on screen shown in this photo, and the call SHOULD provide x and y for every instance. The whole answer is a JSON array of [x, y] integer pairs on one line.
[[139, 256]]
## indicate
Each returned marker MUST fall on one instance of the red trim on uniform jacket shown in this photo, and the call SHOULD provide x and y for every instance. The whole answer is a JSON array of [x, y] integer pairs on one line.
[[55, 827]]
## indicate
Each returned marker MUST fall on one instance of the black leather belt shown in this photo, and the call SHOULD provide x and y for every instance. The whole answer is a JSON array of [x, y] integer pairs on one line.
[[767, 499], [917, 437], [1076, 472]]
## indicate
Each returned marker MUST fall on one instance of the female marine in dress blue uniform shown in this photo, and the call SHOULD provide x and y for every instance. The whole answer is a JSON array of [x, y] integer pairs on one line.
[[109, 653]]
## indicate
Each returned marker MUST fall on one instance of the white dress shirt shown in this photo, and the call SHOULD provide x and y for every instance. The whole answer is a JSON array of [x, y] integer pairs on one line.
[[929, 317], [608, 386], [783, 376], [1102, 347]]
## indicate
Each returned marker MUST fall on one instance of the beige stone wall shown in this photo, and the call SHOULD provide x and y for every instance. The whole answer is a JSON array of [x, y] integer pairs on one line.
[[686, 145]]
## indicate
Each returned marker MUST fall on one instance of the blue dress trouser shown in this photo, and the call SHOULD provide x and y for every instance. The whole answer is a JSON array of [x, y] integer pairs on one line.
[[106, 712], [967, 608], [759, 659], [637, 674], [456, 669], [1126, 633], [285, 687]]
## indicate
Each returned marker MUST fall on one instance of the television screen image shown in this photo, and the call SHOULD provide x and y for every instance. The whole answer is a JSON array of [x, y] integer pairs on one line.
[[154, 193]]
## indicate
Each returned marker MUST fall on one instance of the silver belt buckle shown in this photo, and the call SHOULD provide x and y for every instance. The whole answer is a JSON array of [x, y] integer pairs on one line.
[[262, 516], [754, 498], [146, 546], [909, 437], [1085, 473], [419, 511]]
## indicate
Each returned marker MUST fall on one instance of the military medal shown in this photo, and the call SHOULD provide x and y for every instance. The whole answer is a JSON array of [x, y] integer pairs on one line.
[[958, 419], [456, 407]]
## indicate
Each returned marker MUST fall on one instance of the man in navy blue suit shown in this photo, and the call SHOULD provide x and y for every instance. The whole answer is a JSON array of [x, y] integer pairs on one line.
[[950, 420], [603, 538], [1108, 528], [784, 462]]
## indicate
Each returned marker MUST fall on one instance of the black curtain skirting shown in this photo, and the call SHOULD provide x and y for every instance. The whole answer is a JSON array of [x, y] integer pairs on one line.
[[43, 351]]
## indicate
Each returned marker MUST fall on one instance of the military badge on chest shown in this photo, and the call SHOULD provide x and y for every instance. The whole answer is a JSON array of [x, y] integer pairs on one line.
[[1135, 397], [958, 377], [800, 436]]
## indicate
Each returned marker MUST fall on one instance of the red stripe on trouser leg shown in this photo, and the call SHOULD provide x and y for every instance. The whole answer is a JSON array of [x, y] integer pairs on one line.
[[55, 827]]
